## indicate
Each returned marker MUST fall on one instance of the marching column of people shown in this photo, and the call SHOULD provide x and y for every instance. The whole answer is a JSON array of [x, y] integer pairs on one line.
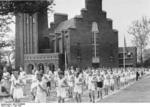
[[70, 84]]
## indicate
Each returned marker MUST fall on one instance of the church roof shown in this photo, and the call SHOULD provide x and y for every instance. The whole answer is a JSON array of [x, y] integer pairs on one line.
[[66, 25]]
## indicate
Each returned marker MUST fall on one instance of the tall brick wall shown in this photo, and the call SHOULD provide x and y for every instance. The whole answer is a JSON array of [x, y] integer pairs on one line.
[[19, 56], [42, 29], [108, 38], [81, 36], [29, 32]]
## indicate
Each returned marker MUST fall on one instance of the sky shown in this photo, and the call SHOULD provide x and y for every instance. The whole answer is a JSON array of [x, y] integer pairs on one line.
[[122, 12]]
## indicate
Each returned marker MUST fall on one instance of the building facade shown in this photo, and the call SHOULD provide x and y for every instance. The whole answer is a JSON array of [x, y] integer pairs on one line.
[[127, 57], [86, 40]]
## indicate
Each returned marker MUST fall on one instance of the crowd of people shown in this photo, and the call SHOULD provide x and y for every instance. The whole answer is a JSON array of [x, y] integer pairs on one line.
[[71, 83]]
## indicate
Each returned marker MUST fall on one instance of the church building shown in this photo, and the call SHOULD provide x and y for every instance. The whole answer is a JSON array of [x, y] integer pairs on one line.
[[84, 41]]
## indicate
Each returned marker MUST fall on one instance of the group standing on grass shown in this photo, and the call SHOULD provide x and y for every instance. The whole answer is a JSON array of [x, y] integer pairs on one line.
[[70, 84], [13, 84]]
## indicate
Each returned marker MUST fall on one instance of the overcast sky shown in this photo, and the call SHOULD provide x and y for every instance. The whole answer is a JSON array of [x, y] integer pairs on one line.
[[122, 12]]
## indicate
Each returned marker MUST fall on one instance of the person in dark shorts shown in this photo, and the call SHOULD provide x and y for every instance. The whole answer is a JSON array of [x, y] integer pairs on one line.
[[99, 85], [137, 76]]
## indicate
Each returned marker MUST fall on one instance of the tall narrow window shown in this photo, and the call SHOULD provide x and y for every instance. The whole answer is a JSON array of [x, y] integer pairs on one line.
[[46, 43], [95, 32]]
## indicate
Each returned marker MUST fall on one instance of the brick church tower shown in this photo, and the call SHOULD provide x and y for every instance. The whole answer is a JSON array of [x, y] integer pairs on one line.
[[30, 30], [91, 39], [107, 37]]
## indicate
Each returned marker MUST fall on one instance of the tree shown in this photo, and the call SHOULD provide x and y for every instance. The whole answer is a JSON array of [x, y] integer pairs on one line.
[[8, 9], [140, 30], [9, 53], [5, 21], [28, 6]]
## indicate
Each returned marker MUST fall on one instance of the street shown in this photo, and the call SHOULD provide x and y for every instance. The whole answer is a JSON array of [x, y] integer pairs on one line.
[[139, 92]]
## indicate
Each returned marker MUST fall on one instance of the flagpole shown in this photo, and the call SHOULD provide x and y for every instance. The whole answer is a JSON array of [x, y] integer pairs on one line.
[[124, 62], [124, 57], [65, 60]]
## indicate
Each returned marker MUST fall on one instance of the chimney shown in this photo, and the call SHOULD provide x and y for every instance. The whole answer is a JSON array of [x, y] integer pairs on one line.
[[93, 5], [59, 17]]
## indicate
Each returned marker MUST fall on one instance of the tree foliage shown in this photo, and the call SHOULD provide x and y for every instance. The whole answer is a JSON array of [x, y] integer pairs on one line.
[[140, 30], [8, 9], [16, 6], [5, 21]]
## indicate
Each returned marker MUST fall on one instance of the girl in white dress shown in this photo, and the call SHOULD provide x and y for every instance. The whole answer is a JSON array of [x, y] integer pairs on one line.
[[123, 78], [12, 86], [112, 81], [130, 76], [17, 87], [56, 76], [78, 87], [86, 78], [126, 78], [34, 84], [61, 87], [6, 81], [118, 78], [92, 86], [23, 77], [49, 75], [106, 83], [41, 89]]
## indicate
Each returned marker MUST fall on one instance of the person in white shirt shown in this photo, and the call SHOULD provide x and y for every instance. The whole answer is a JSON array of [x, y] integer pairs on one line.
[[34, 84], [118, 79], [49, 75], [78, 87], [12, 86], [17, 87], [106, 83], [112, 81], [41, 89], [23, 76], [92, 86], [6, 81], [56, 75], [61, 87]]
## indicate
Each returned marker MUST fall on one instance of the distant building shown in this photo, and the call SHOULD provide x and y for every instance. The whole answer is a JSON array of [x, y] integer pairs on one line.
[[130, 56], [85, 40]]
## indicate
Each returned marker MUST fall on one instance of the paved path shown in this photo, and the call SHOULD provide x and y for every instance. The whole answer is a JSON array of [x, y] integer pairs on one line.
[[137, 93]]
